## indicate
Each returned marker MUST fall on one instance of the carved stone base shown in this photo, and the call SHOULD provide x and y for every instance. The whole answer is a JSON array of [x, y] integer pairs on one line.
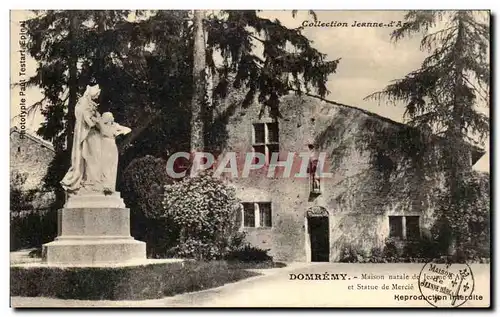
[[95, 200], [97, 233], [92, 252]]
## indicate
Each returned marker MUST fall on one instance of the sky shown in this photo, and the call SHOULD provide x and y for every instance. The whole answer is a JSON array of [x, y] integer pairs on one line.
[[369, 60]]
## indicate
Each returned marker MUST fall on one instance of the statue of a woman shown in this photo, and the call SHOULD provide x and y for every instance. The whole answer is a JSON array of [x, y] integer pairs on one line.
[[94, 156], [86, 150]]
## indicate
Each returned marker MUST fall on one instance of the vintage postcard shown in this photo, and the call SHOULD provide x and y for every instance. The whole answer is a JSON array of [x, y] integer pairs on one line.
[[218, 158]]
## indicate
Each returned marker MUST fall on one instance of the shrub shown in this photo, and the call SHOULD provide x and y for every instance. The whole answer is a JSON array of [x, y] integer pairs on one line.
[[206, 213], [394, 251], [142, 188], [348, 255], [33, 220], [125, 283], [142, 185], [424, 248], [354, 254], [377, 255], [193, 248], [463, 226], [249, 253]]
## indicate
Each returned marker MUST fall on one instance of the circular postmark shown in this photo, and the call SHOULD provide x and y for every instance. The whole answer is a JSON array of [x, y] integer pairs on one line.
[[446, 284]]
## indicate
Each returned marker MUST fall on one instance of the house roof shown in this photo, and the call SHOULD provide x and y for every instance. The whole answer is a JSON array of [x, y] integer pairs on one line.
[[34, 138], [477, 152]]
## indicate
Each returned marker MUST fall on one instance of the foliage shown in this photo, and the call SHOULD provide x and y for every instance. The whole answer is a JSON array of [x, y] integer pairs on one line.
[[195, 248], [249, 253], [125, 283], [29, 225], [142, 188], [452, 80], [144, 68], [142, 185], [137, 84], [55, 38], [394, 251], [469, 227], [207, 212], [443, 96], [288, 61], [20, 200]]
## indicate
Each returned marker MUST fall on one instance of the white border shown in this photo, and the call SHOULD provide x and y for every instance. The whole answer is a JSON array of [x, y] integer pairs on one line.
[[189, 4]]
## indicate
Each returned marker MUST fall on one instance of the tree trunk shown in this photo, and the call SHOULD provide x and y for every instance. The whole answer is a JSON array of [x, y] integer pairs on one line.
[[457, 157], [197, 101], [72, 80]]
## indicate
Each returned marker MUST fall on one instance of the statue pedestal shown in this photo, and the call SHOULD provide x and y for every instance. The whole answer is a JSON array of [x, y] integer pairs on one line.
[[94, 229]]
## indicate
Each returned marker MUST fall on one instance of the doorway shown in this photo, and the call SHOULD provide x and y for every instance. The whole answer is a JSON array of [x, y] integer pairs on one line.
[[318, 229]]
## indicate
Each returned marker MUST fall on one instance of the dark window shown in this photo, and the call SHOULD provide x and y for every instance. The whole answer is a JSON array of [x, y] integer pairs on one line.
[[18, 149], [272, 132], [412, 227], [260, 135], [265, 215], [258, 149], [266, 139], [273, 148], [396, 227], [248, 215]]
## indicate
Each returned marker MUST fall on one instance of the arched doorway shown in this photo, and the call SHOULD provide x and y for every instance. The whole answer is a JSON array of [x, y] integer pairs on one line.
[[317, 234]]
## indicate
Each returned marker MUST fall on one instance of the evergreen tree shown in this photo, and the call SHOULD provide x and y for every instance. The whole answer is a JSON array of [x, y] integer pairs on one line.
[[59, 43], [288, 61], [145, 68], [198, 101], [443, 94]]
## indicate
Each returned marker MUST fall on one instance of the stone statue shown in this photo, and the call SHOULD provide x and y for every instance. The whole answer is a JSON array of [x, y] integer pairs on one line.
[[94, 155], [94, 224], [109, 129], [315, 184]]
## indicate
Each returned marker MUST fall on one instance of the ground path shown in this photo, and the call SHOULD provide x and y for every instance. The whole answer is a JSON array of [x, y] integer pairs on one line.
[[277, 288]]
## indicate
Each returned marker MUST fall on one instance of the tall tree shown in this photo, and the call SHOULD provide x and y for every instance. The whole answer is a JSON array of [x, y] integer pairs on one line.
[[73, 76], [62, 42], [287, 61], [198, 97], [198, 81], [445, 92], [453, 80], [145, 68]]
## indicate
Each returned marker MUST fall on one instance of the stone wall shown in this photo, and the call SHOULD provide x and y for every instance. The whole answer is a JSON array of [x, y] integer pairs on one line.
[[379, 169], [31, 157]]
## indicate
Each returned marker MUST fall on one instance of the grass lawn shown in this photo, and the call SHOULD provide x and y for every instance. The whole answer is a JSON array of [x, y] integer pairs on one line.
[[127, 283]]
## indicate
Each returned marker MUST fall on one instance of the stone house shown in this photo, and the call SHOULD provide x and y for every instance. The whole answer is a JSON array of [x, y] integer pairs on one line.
[[380, 184]]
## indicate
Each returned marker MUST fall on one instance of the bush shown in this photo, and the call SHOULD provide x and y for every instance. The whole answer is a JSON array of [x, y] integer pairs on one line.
[[126, 283], [394, 251], [33, 220], [377, 255], [348, 255], [353, 254], [142, 189], [194, 248], [206, 213], [463, 226], [249, 253]]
